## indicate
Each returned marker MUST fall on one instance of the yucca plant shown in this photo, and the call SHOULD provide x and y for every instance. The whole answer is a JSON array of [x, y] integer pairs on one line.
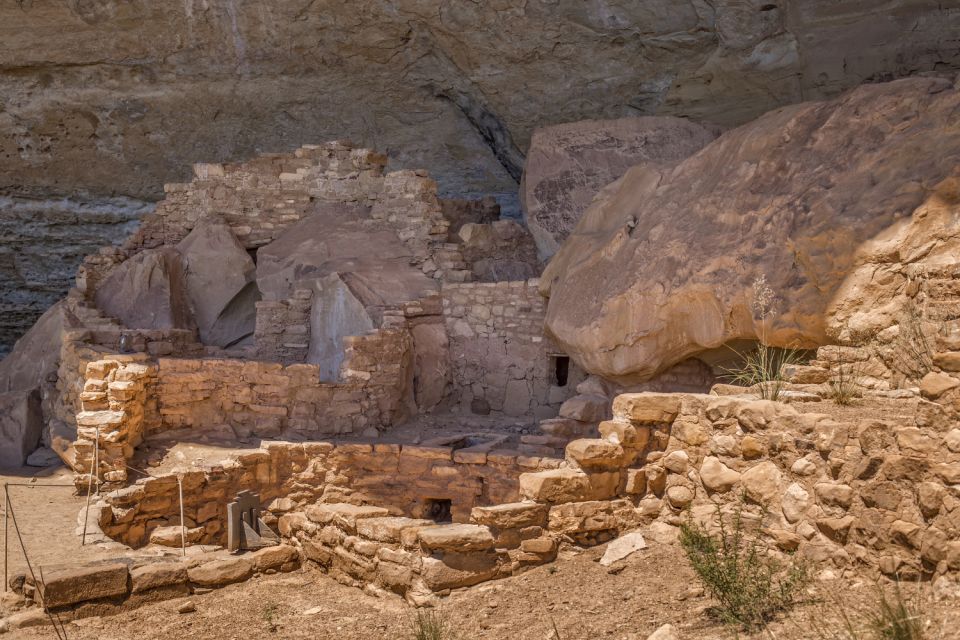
[[762, 366]]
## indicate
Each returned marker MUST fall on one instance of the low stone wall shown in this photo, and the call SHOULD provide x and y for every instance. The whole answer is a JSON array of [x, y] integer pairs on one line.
[[101, 588], [365, 547], [873, 493], [501, 363], [408, 480], [268, 398]]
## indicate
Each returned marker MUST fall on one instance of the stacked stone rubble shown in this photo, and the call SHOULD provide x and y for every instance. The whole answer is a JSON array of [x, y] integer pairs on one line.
[[111, 422]]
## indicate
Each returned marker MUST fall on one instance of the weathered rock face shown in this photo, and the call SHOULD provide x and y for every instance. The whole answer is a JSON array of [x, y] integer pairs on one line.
[[346, 240], [568, 164], [41, 245], [148, 291], [662, 265], [129, 94], [220, 280]]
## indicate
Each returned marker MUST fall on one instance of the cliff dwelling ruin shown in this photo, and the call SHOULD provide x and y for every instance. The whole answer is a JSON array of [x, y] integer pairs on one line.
[[508, 394]]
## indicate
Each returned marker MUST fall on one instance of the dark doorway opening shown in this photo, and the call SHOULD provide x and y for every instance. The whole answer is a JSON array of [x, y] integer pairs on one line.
[[561, 370], [439, 510]]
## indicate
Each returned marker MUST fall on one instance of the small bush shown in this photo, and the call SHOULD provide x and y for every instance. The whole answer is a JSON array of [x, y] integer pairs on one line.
[[431, 625], [734, 567], [847, 385], [912, 351]]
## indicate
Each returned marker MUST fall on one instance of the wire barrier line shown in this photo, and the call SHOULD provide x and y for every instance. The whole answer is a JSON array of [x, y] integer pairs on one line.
[[34, 484], [40, 587], [57, 615], [6, 537]]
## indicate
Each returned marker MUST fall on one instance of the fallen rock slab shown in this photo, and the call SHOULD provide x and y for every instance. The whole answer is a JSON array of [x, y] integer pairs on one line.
[[623, 547]]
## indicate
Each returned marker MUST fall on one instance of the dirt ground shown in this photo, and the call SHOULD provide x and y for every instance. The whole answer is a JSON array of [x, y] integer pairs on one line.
[[585, 601]]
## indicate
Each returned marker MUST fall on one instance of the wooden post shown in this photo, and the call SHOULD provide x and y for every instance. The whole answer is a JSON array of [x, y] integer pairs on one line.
[[93, 463], [183, 530], [96, 459]]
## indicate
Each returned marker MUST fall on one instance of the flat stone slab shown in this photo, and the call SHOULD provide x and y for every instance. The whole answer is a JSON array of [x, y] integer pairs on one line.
[[513, 515], [389, 529], [343, 515], [221, 572], [456, 537], [157, 574], [62, 587], [623, 547]]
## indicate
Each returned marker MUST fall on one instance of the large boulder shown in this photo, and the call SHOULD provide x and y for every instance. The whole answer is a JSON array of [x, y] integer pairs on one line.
[[21, 424], [28, 384], [569, 163], [220, 278], [148, 291], [341, 239], [355, 268], [801, 202]]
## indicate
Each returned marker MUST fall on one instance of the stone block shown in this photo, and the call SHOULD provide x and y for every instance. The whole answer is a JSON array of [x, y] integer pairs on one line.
[[280, 558], [585, 408], [595, 455], [555, 485], [156, 575], [935, 384], [515, 515], [761, 483], [628, 435], [21, 424], [591, 516], [62, 587], [456, 570], [389, 529], [344, 516], [456, 537], [644, 408], [716, 476], [221, 572]]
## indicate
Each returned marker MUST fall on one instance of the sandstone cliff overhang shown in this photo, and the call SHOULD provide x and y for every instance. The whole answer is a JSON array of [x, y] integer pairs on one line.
[[661, 267]]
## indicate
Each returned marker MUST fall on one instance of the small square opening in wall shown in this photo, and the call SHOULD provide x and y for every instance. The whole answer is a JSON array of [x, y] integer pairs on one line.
[[560, 366], [438, 510]]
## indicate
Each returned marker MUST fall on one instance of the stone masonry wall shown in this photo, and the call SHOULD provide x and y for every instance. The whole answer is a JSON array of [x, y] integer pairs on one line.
[[260, 198], [866, 492], [500, 360], [291, 476], [268, 398], [282, 332]]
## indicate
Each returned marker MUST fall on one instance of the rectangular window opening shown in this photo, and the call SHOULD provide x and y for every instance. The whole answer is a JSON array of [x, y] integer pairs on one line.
[[560, 365], [439, 510]]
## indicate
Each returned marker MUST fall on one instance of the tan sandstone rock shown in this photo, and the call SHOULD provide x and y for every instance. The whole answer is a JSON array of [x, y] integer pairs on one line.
[[568, 164], [662, 265]]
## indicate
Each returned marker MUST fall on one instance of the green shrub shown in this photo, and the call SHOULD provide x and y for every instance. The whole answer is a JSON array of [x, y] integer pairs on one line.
[[735, 568], [762, 368]]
